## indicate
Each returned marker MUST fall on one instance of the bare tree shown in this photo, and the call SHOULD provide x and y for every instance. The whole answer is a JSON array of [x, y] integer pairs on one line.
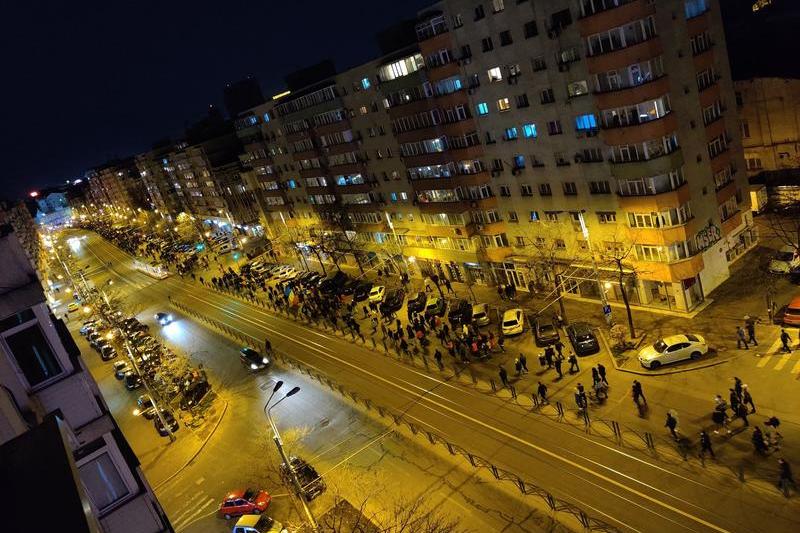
[[783, 222], [618, 255], [404, 516]]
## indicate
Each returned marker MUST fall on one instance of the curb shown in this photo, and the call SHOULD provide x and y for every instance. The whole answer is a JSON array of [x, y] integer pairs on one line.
[[195, 454], [709, 364]]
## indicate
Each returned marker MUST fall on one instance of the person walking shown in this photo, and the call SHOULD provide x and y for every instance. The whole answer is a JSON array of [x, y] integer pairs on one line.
[[559, 346], [518, 366], [759, 444], [747, 399], [785, 477], [638, 394], [737, 386], [785, 342], [595, 376], [437, 355], [602, 371], [705, 445], [448, 286], [548, 356], [501, 342], [541, 390], [733, 398], [580, 397], [267, 346], [671, 424], [524, 362], [557, 363], [750, 326], [741, 338], [573, 364], [503, 376]]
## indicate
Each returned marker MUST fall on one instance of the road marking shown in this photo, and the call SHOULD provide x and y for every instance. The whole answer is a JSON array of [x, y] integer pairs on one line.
[[186, 520], [423, 395], [796, 368], [191, 507], [782, 362], [764, 360], [199, 481]]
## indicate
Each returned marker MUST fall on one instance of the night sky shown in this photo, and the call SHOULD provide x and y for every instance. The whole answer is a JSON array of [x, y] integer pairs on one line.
[[84, 83]]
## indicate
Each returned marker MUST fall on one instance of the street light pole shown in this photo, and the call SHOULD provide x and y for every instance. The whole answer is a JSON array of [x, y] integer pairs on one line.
[[585, 231], [298, 488]]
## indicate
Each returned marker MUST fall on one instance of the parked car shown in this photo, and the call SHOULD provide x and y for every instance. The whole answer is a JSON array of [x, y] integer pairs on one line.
[[789, 315], [248, 501], [582, 338], [89, 326], [194, 394], [417, 302], [332, 283], [362, 291], [163, 318], [253, 360], [313, 485], [460, 312], [377, 293], [146, 407], [513, 322], [786, 261], [73, 306], [121, 368], [480, 314], [132, 380], [393, 301], [545, 333], [107, 353], [672, 349], [253, 523], [435, 306], [170, 421]]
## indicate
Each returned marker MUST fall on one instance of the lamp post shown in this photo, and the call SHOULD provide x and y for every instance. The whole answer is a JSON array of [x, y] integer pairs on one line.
[[276, 437], [160, 416], [585, 231]]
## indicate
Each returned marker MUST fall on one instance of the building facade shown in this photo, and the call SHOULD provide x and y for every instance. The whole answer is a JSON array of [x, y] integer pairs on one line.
[[49, 400], [769, 111]]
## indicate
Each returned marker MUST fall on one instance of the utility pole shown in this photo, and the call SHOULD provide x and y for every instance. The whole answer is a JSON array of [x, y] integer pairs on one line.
[[606, 307], [171, 435]]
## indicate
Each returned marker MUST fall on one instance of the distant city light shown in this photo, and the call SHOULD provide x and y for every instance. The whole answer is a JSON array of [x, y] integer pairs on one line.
[[34, 194], [281, 95]]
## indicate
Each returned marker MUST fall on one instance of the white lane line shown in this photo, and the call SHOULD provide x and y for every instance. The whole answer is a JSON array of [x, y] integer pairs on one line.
[[782, 361], [191, 506], [186, 521]]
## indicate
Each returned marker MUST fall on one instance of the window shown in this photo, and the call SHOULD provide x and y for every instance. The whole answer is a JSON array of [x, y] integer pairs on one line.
[[503, 104], [546, 96], [364, 110], [495, 74], [585, 122], [534, 216], [714, 112], [486, 44], [545, 190], [522, 100], [606, 217], [511, 133], [33, 355], [717, 146], [103, 481], [578, 88], [266, 117], [538, 63], [479, 13], [505, 38], [514, 71], [526, 190], [620, 37], [745, 127], [482, 108], [512, 216], [753, 162], [457, 21], [365, 84], [554, 127], [568, 55], [551, 216], [497, 6], [497, 164], [693, 8], [519, 161], [520, 241], [530, 29], [706, 79], [700, 43], [570, 189], [529, 131], [599, 187], [505, 191]]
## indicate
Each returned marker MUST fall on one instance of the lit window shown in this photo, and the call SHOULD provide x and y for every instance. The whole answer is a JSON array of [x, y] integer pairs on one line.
[[266, 117], [693, 8], [534, 216], [519, 161], [483, 108], [363, 110], [495, 74], [503, 104], [393, 196], [585, 122], [292, 184], [529, 131], [511, 133], [365, 83]]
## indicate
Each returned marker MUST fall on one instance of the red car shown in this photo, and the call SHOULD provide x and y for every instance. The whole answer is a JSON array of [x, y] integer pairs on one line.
[[239, 502]]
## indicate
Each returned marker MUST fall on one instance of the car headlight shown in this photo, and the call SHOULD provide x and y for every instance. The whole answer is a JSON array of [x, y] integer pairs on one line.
[[265, 361], [169, 317], [253, 366]]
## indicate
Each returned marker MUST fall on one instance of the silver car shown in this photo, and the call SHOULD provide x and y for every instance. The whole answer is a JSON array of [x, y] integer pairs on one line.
[[480, 314]]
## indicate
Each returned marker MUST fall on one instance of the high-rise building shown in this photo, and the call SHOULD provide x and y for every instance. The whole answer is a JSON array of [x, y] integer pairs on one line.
[[55, 428]]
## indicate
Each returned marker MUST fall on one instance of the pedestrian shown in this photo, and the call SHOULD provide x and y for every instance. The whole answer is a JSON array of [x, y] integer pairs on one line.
[[602, 371], [542, 391], [267, 346], [737, 386], [785, 476], [595, 376], [637, 393], [518, 366], [437, 355], [548, 356], [734, 401], [448, 286], [741, 412], [747, 399], [741, 338], [671, 424], [524, 362], [559, 346], [705, 445], [759, 443], [786, 341], [580, 397], [750, 326], [503, 376], [573, 364], [558, 367], [501, 342]]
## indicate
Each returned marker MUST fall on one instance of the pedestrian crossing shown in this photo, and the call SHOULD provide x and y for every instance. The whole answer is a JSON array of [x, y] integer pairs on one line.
[[192, 508], [775, 360]]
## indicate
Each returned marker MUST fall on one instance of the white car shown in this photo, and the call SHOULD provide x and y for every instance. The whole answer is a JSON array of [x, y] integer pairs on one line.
[[480, 314], [377, 293], [785, 261], [513, 322], [224, 248], [672, 349]]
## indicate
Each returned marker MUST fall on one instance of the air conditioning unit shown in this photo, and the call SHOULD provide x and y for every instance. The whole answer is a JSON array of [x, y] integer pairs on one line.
[[516, 171], [479, 227], [578, 158], [457, 231]]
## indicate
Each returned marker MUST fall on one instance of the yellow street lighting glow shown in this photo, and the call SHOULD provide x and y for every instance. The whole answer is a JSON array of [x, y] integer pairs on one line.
[[281, 95], [87, 309]]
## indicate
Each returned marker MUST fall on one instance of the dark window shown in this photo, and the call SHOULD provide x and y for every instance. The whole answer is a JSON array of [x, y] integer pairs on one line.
[[17, 319], [546, 96], [505, 38], [466, 52], [522, 100], [531, 30], [487, 44], [562, 19], [33, 355], [479, 13]]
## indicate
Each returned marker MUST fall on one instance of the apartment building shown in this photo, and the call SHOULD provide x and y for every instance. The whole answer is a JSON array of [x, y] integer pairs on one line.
[[769, 111], [56, 432]]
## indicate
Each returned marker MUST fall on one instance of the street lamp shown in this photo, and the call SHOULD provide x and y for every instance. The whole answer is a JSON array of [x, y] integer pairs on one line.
[[585, 231], [276, 437]]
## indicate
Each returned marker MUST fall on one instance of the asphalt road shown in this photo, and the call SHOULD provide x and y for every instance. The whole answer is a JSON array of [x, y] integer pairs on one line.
[[630, 490], [359, 457]]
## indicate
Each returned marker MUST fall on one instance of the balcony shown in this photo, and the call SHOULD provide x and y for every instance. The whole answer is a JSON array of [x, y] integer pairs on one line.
[[606, 15], [440, 72], [496, 255], [725, 192], [641, 132], [697, 24], [648, 167], [732, 223], [667, 235], [661, 199], [353, 188], [618, 59], [432, 184], [673, 272], [632, 95], [347, 168]]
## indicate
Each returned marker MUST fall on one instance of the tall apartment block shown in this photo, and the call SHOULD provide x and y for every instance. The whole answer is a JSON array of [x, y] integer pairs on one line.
[[515, 142], [56, 432]]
